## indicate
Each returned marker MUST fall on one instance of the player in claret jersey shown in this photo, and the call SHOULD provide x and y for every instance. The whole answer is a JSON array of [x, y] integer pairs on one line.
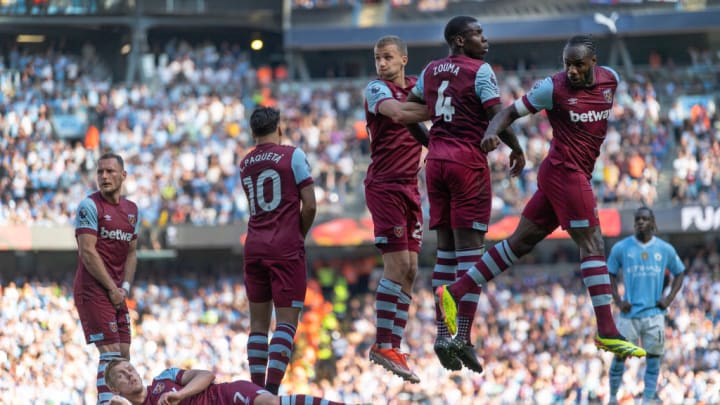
[[281, 200], [459, 94], [106, 228], [393, 199], [175, 386], [578, 103]]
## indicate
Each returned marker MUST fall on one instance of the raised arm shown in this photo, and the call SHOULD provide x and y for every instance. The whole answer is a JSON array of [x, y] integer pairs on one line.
[[409, 112], [499, 130], [193, 382]]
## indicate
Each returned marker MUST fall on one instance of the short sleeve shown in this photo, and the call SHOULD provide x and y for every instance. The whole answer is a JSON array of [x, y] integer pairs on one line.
[[137, 223], [301, 168], [86, 218], [486, 86], [173, 374], [419, 89], [375, 92], [613, 71], [613, 260], [675, 264], [540, 97]]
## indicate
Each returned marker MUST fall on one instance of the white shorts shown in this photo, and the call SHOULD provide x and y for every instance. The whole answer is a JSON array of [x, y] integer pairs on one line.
[[649, 330]]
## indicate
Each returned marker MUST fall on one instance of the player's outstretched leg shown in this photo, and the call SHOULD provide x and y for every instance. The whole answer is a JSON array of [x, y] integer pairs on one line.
[[445, 352], [279, 355], [448, 308], [465, 351], [620, 346], [398, 331], [467, 307], [595, 276], [306, 400], [392, 360], [444, 273]]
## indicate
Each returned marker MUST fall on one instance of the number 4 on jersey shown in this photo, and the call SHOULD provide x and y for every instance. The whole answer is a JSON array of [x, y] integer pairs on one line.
[[443, 105]]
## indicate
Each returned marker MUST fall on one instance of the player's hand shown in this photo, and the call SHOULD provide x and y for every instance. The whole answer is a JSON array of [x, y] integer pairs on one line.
[[117, 297], [489, 142], [118, 400], [663, 303], [517, 163], [170, 398], [625, 306]]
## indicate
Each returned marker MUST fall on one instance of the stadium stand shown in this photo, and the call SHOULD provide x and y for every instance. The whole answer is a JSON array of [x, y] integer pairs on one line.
[[532, 332], [183, 133]]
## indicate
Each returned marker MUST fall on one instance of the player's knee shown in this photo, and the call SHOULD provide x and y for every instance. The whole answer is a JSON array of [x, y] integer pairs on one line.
[[266, 399], [112, 347], [409, 275]]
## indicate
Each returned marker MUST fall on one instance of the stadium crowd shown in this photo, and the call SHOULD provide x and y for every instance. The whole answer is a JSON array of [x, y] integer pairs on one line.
[[183, 133], [534, 333]]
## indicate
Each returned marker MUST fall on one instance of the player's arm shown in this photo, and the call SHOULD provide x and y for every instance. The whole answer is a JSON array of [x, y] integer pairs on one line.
[[507, 135], [677, 269], [308, 205], [130, 267], [674, 289], [408, 112], [193, 382], [418, 130], [308, 208], [614, 265], [131, 260], [502, 120], [540, 97]]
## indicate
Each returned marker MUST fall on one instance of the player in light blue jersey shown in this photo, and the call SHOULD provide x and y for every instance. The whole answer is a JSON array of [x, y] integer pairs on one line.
[[643, 259]]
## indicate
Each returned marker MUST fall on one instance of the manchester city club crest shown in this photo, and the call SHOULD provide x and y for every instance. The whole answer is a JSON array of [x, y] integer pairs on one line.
[[132, 219], [608, 95]]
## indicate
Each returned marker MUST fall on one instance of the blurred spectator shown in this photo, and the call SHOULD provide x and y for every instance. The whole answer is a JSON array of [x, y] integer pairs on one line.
[[532, 334], [185, 130]]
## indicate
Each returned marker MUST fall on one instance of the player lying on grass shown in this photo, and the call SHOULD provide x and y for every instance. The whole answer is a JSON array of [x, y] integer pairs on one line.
[[192, 387]]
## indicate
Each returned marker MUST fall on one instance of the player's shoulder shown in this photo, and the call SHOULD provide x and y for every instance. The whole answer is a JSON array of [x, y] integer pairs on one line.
[[431, 65], [90, 202], [128, 203], [168, 374], [610, 71], [545, 83], [624, 243], [663, 243], [375, 86], [91, 198], [287, 148]]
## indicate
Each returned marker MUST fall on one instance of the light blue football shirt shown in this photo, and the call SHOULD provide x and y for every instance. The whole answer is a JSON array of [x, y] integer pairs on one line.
[[643, 266]]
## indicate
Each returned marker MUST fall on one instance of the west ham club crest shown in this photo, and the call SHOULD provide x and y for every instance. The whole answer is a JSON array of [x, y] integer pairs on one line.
[[608, 95]]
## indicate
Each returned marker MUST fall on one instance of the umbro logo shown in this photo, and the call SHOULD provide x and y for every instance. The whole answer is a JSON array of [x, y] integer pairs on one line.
[[107, 217], [572, 101]]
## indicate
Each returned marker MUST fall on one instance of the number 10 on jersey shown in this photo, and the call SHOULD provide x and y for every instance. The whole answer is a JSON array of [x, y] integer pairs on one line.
[[256, 191]]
